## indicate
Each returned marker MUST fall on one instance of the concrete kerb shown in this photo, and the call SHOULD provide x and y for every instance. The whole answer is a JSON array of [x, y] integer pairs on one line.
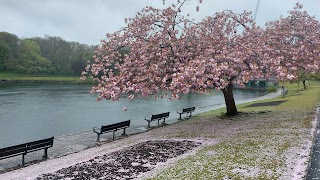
[[316, 119]]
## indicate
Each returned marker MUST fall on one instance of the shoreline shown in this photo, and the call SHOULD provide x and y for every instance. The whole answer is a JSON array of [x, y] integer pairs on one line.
[[53, 81], [8, 81], [68, 144]]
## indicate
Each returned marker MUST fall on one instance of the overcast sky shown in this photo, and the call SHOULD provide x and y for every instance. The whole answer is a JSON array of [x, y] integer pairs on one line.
[[87, 21]]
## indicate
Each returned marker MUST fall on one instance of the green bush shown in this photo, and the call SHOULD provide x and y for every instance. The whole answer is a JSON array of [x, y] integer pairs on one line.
[[271, 89]]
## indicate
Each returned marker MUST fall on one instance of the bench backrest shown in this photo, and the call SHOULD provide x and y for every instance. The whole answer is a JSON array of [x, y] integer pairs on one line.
[[115, 126], [160, 116], [41, 144], [188, 109], [25, 148], [12, 151]]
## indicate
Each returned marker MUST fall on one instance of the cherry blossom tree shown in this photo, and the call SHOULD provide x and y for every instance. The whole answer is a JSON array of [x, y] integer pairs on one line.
[[168, 55], [293, 45], [215, 53]]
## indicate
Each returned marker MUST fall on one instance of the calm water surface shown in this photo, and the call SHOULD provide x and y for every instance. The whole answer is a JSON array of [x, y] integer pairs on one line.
[[34, 111]]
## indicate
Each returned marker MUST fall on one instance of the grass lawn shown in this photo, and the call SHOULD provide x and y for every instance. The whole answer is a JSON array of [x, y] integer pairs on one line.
[[26, 77], [273, 144]]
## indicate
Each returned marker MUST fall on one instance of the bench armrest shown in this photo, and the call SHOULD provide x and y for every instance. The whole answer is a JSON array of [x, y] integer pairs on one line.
[[147, 118], [96, 130]]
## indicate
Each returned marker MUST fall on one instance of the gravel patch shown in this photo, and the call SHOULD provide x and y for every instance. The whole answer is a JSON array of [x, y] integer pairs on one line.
[[127, 163], [272, 103]]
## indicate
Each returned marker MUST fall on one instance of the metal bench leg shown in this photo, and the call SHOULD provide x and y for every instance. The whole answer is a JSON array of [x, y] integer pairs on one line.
[[124, 132], [158, 122], [190, 114], [113, 135], [180, 116], [23, 159], [98, 138], [45, 156], [164, 121], [148, 123]]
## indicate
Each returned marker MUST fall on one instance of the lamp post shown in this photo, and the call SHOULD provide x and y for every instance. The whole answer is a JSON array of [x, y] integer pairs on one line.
[[256, 12]]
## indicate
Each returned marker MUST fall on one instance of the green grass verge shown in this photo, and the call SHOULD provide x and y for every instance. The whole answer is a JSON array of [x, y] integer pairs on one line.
[[252, 145], [27, 77]]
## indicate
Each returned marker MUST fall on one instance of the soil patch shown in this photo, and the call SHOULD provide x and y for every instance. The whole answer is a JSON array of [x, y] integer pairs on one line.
[[127, 163], [272, 103]]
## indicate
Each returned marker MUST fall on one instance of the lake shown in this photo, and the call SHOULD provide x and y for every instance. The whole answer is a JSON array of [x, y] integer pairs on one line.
[[30, 112]]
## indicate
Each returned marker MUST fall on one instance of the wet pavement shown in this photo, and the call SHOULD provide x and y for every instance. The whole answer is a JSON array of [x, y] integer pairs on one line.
[[314, 169]]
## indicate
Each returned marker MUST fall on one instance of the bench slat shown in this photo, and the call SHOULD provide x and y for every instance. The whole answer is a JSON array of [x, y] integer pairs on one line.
[[160, 116], [185, 110], [41, 144], [12, 151], [111, 127]]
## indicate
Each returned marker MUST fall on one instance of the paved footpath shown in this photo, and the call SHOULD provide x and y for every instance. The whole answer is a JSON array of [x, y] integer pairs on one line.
[[314, 170], [62, 146]]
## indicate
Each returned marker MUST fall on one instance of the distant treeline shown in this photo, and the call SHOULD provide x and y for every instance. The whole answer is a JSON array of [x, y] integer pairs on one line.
[[48, 55]]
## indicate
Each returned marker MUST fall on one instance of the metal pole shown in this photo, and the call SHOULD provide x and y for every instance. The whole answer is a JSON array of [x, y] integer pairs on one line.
[[256, 12]]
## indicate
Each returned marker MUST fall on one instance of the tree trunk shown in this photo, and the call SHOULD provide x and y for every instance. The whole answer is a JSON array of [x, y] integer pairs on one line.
[[229, 100], [304, 84]]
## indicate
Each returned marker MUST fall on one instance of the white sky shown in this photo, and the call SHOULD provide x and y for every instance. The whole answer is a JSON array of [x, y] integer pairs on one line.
[[87, 21]]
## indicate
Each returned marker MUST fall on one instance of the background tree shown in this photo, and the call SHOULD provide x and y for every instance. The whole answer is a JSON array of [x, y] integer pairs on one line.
[[58, 51], [293, 45], [30, 60], [9, 44], [48, 55], [11, 40], [67, 58], [5, 56]]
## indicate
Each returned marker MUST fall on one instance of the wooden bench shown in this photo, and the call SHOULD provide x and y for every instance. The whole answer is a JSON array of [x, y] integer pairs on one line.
[[158, 117], [186, 111], [112, 127], [23, 149]]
